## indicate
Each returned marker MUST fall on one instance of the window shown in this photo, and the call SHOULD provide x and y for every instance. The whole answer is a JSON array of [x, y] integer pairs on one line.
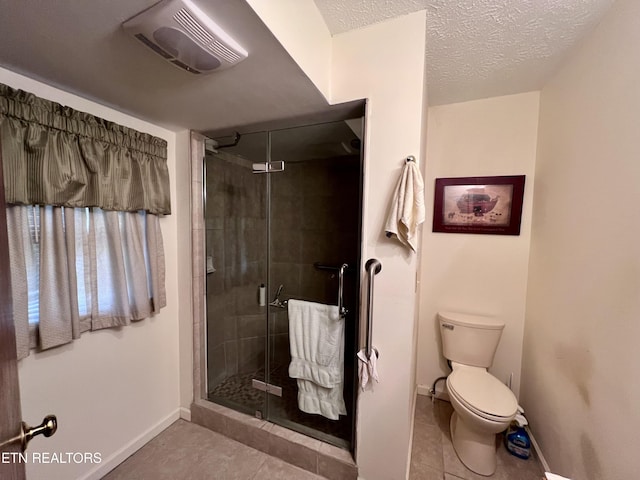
[[32, 259], [83, 269]]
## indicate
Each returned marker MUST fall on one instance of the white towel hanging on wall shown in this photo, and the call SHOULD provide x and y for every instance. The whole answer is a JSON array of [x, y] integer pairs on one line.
[[407, 206]]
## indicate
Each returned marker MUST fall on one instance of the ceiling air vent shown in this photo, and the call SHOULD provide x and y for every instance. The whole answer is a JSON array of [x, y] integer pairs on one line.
[[184, 35]]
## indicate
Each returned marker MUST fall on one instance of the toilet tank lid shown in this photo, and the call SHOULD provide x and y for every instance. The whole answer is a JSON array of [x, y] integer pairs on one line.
[[473, 321]]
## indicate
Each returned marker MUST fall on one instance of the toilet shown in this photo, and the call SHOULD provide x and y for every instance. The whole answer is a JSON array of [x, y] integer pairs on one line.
[[483, 406]]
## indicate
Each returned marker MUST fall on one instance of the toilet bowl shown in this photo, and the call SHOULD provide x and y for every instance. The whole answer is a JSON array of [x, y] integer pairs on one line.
[[483, 407]]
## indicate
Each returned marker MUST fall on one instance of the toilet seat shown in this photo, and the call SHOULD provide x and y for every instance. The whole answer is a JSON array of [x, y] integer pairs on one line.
[[482, 393]]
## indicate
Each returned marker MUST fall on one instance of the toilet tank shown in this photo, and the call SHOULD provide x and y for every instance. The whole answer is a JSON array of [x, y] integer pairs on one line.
[[469, 339]]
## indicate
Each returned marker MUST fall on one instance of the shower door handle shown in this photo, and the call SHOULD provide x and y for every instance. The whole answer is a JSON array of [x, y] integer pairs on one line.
[[268, 167]]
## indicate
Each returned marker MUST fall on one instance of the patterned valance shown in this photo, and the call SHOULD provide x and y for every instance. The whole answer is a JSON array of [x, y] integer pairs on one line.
[[55, 155]]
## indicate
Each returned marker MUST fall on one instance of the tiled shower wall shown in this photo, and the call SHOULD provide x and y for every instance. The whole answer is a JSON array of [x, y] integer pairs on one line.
[[314, 219]]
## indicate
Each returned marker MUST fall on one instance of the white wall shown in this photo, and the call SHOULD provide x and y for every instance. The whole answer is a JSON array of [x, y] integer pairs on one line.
[[581, 357], [112, 389], [300, 29], [484, 274]]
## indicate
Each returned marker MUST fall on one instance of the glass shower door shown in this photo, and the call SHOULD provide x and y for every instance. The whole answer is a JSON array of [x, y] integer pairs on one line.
[[236, 242], [314, 225]]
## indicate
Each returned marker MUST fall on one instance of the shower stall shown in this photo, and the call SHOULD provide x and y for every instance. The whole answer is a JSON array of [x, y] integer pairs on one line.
[[282, 221]]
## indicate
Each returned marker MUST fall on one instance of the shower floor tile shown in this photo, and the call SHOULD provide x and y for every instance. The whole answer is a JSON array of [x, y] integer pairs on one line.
[[237, 391]]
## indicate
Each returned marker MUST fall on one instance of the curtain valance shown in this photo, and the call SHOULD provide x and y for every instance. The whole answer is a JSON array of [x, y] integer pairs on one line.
[[55, 155]]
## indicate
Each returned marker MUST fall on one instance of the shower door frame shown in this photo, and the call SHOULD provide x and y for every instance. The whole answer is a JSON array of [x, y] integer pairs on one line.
[[198, 243]]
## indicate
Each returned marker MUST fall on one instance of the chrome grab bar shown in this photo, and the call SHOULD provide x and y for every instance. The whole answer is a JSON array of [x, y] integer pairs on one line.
[[373, 267]]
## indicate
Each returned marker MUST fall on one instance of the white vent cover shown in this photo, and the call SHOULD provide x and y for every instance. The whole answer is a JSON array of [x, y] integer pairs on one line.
[[186, 37]]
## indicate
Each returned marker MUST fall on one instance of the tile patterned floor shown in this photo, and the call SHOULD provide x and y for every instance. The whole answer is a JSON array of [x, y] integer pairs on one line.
[[191, 452], [433, 456]]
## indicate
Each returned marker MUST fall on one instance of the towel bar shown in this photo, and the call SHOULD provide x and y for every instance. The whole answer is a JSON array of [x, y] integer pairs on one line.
[[340, 269]]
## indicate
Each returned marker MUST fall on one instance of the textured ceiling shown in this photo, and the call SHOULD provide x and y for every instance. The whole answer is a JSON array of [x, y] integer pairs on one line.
[[481, 48], [475, 49]]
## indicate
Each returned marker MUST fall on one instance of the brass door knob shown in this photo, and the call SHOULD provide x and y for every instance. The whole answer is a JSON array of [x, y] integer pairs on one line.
[[47, 428]]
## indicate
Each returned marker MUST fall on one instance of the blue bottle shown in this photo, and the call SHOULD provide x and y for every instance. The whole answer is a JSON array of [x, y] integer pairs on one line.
[[517, 439]]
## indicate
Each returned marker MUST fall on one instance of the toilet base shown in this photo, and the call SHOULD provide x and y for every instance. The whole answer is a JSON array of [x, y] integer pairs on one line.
[[476, 450]]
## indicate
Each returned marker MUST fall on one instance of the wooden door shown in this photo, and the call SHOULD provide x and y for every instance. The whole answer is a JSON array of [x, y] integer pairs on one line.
[[11, 468]]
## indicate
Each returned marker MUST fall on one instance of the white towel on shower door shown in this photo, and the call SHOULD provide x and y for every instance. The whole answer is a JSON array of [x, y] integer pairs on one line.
[[316, 336], [316, 339]]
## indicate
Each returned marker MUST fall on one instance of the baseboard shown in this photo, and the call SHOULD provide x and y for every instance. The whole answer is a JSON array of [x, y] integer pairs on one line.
[[543, 461], [130, 448], [423, 390], [412, 425], [441, 393], [185, 414]]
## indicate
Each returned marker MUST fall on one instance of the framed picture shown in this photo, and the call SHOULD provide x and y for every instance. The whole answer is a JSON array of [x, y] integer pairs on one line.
[[491, 205]]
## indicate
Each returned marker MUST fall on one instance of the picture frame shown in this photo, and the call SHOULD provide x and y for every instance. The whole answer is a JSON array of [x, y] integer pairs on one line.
[[481, 205]]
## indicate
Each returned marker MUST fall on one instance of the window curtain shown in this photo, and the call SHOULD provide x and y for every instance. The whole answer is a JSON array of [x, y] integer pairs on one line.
[[84, 200], [74, 270]]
